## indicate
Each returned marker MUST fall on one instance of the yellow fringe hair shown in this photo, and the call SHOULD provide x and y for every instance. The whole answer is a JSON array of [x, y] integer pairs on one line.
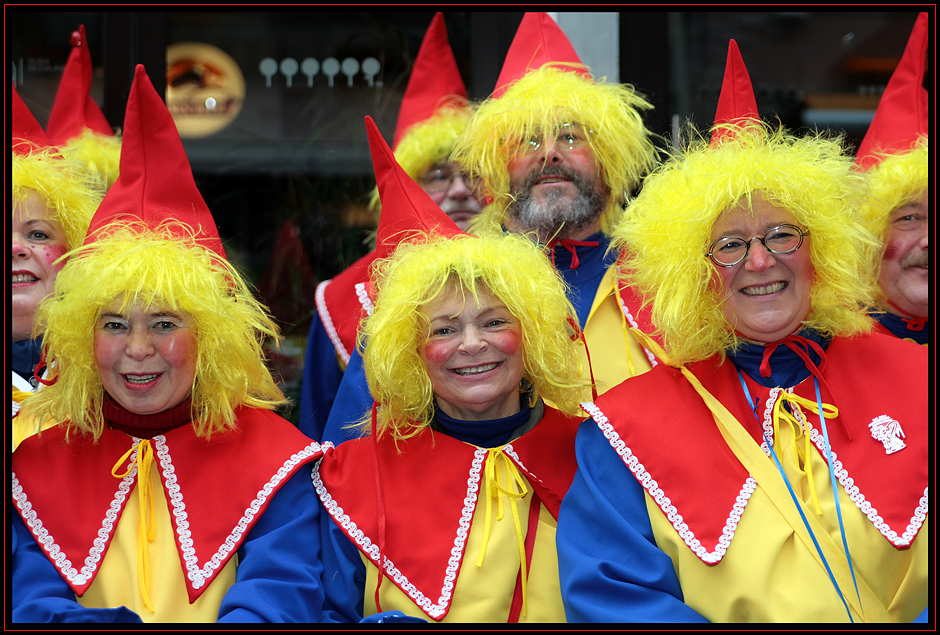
[[69, 191], [513, 269], [135, 263], [666, 233], [541, 100], [895, 182], [428, 142], [100, 153]]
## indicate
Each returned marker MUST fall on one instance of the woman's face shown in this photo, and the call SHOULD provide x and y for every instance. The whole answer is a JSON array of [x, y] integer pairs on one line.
[[766, 296], [473, 355], [146, 356], [38, 241]]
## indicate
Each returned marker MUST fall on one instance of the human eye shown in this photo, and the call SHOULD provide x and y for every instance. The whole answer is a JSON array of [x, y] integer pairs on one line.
[[442, 331], [782, 235], [113, 325], [727, 245], [38, 235]]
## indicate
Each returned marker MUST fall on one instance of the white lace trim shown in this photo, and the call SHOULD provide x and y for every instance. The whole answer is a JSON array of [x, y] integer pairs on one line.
[[77, 578], [848, 483], [327, 321], [632, 321], [364, 299], [199, 576], [434, 609], [663, 501]]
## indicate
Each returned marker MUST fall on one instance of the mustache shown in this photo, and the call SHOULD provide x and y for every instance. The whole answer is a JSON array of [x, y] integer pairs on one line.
[[552, 170], [920, 259]]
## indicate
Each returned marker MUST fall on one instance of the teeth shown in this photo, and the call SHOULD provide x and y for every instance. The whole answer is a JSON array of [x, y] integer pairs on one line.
[[770, 288], [476, 369], [140, 379], [24, 277]]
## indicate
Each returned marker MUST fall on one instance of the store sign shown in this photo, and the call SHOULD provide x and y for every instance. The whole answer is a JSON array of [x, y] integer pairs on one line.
[[205, 88]]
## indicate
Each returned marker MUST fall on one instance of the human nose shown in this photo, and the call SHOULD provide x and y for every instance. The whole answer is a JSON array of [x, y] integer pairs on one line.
[[471, 341], [139, 344], [550, 152], [19, 246], [459, 188], [758, 257]]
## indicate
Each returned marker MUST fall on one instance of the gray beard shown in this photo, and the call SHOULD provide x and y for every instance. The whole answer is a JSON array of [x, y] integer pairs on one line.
[[553, 217]]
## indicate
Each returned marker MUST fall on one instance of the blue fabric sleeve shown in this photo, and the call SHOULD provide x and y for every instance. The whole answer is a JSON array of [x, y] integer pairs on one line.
[[279, 568], [344, 580], [322, 376], [39, 594], [353, 401], [344, 574], [610, 567]]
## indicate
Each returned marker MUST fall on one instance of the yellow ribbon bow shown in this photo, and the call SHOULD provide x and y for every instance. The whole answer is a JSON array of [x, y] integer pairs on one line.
[[146, 527], [514, 488]]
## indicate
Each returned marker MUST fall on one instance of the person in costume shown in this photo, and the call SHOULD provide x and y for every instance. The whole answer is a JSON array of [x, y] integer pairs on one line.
[[171, 492], [574, 148], [53, 202], [433, 114], [768, 470], [468, 338], [560, 153], [76, 123], [894, 155]]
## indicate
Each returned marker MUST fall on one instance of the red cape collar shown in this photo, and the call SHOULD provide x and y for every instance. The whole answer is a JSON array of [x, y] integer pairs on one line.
[[434, 481], [342, 302], [666, 456], [72, 504]]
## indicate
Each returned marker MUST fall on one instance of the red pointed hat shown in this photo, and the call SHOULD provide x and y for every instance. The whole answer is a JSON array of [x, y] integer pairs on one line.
[[74, 109], [902, 114], [538, 41], [26, 131], [407, 210], [736, 103], [435, 80], [156, 183]]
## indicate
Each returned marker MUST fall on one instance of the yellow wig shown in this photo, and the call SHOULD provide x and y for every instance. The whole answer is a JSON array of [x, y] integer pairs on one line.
[[895, 182], [666, 232], [100, 153], [428, 142], [540, 101], [514, 270], [155, 267], [67, 188]]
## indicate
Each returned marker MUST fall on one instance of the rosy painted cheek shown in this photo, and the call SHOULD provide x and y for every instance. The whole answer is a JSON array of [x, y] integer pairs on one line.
[[891, 251], [52, 253], [507, 341], [437, 352], [180, 351]]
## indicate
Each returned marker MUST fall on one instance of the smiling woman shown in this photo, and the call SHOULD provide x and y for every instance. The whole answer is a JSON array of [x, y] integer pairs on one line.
[[161, 401], [470, 340], [756, 474]]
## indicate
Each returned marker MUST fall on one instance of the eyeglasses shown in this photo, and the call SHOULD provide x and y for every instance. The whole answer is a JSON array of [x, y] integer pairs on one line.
[[782, 239], [440, 179], [567, 136]]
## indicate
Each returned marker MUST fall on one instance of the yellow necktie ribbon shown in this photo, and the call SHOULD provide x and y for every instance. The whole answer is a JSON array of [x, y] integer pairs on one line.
[[146, 527], [515, 488]]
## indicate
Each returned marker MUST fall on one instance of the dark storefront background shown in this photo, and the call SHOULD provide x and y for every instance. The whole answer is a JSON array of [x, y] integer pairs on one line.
[[288, 178]]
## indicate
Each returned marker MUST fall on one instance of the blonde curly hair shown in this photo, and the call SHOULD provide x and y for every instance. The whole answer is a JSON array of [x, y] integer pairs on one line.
[[133, 263], [510, 267], [666, 233], [540, 100], [70, 192], [896, 181]]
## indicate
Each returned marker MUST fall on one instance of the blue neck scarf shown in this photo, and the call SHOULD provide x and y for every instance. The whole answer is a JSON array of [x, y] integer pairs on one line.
[[786, 367], [24, 357], [583, 270], [902, 327], [484, 434]]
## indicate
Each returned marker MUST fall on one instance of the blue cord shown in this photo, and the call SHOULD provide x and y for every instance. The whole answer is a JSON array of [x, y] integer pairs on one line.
[[796, 501]]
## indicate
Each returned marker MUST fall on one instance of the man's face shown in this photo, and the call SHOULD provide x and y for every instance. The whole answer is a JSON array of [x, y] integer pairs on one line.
[[457, 196], [557, 191], [905, 267]]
